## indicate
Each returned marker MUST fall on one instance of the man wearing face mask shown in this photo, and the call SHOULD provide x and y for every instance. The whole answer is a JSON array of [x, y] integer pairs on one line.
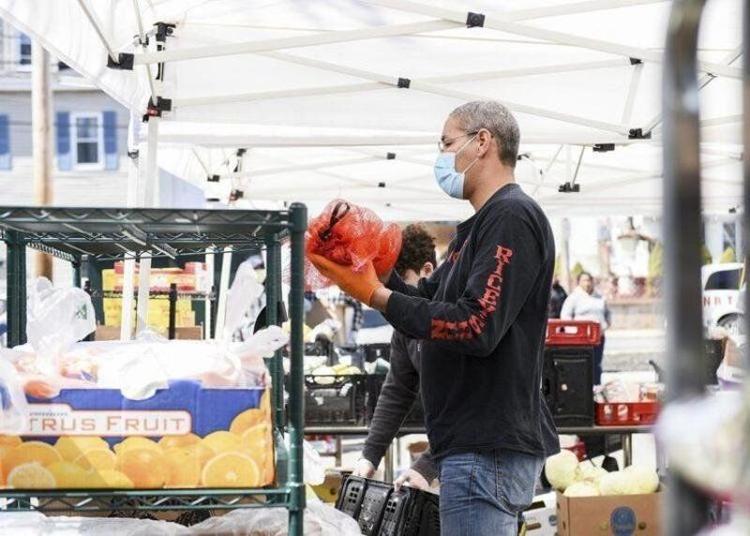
[[481, 318]]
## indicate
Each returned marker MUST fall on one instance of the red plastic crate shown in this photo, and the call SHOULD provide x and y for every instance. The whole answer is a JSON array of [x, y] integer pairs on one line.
[[572, 333], [626, 413]]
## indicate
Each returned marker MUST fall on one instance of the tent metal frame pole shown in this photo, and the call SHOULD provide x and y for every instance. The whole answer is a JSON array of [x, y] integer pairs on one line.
[[285, 94], [527, 71], [97, 25], [142, 41], [459, 95], [499, 21], [303, 167], [253, 47], [704, 80], [393, 82], [635, 81], [686, 508], [297, 141], [588, 6]]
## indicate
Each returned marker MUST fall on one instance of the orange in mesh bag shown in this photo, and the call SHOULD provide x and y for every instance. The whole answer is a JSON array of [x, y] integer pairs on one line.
[[350, 235]]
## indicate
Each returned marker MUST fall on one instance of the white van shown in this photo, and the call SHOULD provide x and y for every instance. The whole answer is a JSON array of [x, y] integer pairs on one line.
[[723, 286]]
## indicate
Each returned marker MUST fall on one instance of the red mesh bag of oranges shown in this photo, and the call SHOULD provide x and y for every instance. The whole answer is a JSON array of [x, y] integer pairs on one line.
[[352, 236]]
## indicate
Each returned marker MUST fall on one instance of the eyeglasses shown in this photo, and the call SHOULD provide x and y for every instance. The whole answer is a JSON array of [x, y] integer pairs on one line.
[[443, 144]]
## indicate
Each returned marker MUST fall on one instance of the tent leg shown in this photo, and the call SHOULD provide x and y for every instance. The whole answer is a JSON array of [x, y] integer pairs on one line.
[[149, 191]]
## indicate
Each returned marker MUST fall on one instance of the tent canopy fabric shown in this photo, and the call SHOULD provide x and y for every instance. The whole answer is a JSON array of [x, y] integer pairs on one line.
[[319, 92]]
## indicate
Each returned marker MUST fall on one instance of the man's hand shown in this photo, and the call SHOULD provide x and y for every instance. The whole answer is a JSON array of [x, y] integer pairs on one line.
[[359, 285], [364, 468], [411, 478]]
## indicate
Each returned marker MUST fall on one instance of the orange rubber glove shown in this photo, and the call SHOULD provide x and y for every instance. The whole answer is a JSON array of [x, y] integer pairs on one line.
[[359, 285]]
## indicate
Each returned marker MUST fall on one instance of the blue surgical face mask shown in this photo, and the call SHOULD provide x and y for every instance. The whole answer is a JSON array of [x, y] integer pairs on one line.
[[450, 180]]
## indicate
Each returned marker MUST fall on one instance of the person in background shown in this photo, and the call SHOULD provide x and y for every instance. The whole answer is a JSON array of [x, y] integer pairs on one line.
[[401, 387], [556, 299], [585, 304]]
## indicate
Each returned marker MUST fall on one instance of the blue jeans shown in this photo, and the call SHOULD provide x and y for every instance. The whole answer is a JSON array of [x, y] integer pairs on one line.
[[482, 493]]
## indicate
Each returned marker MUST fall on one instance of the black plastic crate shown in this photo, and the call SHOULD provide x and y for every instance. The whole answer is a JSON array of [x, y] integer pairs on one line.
[[335, 399], [373, 507], [411, 512], [351, 495], [374, 351], [381, 511], [374, 383]]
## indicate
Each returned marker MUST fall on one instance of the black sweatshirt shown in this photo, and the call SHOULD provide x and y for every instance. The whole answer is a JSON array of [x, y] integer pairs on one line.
[[400, 390], [481, 318]]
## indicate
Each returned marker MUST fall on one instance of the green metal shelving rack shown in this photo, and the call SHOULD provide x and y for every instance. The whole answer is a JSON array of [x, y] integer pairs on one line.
[[99, 234]]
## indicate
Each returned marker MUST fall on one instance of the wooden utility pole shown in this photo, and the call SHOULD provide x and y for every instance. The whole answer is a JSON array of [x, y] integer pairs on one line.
[[41, 120]]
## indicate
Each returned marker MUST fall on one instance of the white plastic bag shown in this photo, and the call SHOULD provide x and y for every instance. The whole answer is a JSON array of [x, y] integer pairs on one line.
[[13, 405], [320, 520], [245, 300], [57, 318]]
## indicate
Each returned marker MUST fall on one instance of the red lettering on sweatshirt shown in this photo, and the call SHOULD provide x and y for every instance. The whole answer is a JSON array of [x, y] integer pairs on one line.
[[477, 322]]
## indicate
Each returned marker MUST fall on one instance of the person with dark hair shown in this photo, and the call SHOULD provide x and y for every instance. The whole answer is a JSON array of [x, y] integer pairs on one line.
[[401, 387], [585, 304], [481, 321], [556, 299]]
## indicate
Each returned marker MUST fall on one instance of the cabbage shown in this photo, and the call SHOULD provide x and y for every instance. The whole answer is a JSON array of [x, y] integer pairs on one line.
[[633, 480], [615, 483], [644, 480], [588, 472], [581, 489], [561, 469]]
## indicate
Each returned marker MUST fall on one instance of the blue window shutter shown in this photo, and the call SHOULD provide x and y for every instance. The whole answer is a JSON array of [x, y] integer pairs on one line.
[[110, 140], [5, 162], [64, 153]]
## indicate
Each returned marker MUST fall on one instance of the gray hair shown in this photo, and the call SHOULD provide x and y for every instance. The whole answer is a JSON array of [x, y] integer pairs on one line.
[[496, 118]]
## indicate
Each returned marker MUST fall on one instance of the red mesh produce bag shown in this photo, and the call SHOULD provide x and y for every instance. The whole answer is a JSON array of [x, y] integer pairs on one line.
[[350, 235]]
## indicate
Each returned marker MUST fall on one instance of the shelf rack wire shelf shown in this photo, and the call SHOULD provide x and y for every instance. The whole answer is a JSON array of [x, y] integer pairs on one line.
[[103, 234]]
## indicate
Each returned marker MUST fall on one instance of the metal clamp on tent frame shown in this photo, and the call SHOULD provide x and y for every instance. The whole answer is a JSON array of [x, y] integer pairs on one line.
[[155, 110], [124, 61], [474, 20]]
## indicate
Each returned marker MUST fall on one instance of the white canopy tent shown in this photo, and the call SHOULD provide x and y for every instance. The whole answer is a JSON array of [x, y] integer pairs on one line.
[[322, 94]]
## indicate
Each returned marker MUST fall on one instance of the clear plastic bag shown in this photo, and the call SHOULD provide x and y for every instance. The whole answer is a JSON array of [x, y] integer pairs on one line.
[[320, 520], [352, 236], [13, 406]]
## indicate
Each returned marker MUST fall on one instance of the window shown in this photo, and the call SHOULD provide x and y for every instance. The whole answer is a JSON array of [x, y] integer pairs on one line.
[[24, 51], [88, 143], [729, 235], [724, 280]]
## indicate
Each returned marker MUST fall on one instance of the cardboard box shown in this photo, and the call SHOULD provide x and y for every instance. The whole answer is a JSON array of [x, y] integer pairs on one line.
[[540, 520], [639, 515], [184, 436]]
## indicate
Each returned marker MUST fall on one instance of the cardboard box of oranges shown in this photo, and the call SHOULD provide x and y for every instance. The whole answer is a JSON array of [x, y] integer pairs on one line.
[[186, 436]]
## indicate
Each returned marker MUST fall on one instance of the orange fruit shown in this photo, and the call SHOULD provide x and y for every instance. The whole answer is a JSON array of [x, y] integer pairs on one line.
[[257, 439], [31, 475], [231, 470], [265, 402], [109, 478], [31, 451], [168, 442], [201, 452], [136, 442], [184, 467], [69, 475], [10, 440], [97, 459], [247, 419], [222, 441], [71, 447], [145, 467]]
